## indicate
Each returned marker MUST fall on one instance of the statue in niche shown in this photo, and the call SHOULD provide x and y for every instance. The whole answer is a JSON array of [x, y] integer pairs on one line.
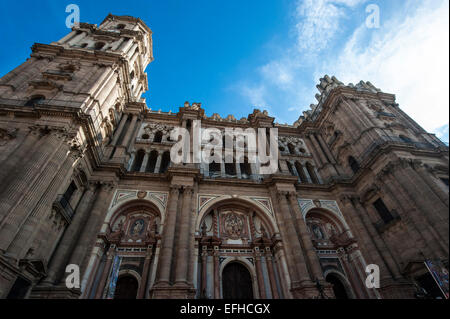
[[331, 229], [137, 228], [318, 232], [233, 225]]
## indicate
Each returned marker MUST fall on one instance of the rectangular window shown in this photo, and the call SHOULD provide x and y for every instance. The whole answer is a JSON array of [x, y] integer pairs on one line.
[[383, 211], [70, 190]]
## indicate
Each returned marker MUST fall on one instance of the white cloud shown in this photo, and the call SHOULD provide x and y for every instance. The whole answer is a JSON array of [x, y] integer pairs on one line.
[[318, 22], [409, 58], [255, 95]]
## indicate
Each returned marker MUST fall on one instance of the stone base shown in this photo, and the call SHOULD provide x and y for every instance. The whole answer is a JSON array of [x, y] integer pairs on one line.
[[397, 290], [8, 275], [54, 292], [177, 291], [309, 290]]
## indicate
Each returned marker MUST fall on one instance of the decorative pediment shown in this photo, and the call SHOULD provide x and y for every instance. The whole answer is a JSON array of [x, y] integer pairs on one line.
[[158, 198], [45, 85], [57, 75]]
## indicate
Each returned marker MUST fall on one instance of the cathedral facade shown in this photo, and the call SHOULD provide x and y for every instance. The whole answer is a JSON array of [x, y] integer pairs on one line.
[[88, 187]]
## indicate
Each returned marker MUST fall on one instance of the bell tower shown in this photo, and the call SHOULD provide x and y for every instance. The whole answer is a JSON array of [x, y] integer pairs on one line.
[[59, 112]]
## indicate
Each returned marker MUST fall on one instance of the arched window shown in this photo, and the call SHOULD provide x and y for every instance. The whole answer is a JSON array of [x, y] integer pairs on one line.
[[312, 173], [214, 168], [132, 75], [138, 160], [301, 172], [353, 164], [145, 136], [165, 162], [158, 137], [246, 169], [338, 286], [99, 45], [35, 100], [120, 26], [230, 168], [152, 162], [84, 45], [291, 148]]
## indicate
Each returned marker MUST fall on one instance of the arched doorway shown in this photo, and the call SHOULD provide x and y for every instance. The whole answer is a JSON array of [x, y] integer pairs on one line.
[[236, 282], [338, 286], [126, 288]]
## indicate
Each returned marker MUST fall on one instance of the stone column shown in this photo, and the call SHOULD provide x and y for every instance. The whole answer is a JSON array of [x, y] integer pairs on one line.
[[77, 38], [216, 273], [71, 235], [104, 278], [344, 258], [128, 135], [203, 285], [427, 176], [168, 239], [131, 161], [305, 171], [18, 186], [18, 177], [145, 161], [306, 239], [67, 37], [270, 270], [158, 163], [318, 149], [89, 232], [294, 255], [421, 237], [314, 151], [436, 210], [378, 241], [259, 274], [119, 129], [60, 165], [421, 221], [325, 148], [142, 288], [182, 256]]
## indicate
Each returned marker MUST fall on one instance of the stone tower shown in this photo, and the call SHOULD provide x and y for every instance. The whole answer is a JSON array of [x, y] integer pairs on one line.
[[87, 179], [61, 108]]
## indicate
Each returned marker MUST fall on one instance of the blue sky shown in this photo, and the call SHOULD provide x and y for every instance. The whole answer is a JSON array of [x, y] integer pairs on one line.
[[235, 55]]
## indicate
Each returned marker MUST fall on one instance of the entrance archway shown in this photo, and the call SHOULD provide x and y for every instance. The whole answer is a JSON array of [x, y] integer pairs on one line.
[[338, 286], [236, 282], [126, 288]]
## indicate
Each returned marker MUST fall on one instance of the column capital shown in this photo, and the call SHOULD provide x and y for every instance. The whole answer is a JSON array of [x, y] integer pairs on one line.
[[292, 195], [188, 190], [175, 189]]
